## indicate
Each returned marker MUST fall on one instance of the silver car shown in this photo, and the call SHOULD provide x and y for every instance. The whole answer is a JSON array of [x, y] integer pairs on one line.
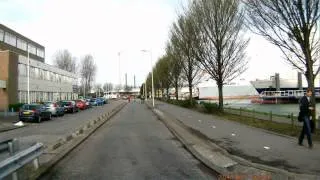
[[54, 108]]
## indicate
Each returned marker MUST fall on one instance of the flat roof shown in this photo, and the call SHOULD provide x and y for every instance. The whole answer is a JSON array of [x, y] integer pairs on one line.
[[5, 28]]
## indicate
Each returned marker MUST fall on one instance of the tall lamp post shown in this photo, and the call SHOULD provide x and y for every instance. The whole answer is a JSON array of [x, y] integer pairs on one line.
[[28, 77], [119, 54], [151, 75]]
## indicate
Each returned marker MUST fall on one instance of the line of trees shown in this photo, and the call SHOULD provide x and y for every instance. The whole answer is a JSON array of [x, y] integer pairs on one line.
[[208, 38], [86, 68]]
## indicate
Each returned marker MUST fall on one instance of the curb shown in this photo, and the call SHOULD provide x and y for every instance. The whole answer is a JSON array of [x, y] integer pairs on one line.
[[62, 148], [11, 128], [276, 172]]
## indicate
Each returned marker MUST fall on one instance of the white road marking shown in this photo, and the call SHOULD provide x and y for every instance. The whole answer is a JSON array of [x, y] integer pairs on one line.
[[266, 147], [199, 120], [213, 127], [233, 134]]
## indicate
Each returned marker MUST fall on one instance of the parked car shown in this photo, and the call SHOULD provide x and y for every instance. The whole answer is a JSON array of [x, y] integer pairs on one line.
[[105, 100], [93, 102], [100, 101], [55, 108], [34, 112], [89, 105], [81, 104], [96, 102], [69, 106]]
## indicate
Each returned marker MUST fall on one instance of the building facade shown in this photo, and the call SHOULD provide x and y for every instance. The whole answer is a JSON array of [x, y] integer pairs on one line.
[[46, 82]]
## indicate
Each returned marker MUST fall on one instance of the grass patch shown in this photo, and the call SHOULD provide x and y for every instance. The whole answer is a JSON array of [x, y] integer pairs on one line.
[[281, 128]]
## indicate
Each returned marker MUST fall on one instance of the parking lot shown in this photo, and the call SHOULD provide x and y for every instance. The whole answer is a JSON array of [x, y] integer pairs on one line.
[[50, 131]]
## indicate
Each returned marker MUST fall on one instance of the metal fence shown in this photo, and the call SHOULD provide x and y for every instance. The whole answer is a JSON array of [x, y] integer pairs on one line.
[[270, 116], [18, 158]]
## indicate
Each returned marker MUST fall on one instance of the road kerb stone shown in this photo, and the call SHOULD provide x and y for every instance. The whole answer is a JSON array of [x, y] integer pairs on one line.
[[68, 138]]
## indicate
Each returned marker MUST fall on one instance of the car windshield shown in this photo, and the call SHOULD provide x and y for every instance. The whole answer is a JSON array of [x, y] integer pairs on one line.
[[30, 107], [93, 100], [64, 103], [47, 104]]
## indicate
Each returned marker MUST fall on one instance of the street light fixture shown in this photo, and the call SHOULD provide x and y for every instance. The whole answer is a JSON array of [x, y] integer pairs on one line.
[[151, 75]]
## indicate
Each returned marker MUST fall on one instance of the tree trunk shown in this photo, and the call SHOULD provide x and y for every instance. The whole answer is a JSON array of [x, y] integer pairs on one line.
[[162, 92], [168, 93], [220, 88], [310, 78], [190, 93], [176, 89], [313, 97]]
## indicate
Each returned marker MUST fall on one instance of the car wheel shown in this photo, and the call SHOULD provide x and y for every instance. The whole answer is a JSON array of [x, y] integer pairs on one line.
[[39, 119]]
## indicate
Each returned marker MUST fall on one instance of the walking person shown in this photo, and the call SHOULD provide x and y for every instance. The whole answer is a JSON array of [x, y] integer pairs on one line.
[[305, 112]]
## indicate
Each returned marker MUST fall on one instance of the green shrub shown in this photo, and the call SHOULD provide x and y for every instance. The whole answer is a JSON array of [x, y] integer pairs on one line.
[[15, 107], [210, 107], [183, 103]]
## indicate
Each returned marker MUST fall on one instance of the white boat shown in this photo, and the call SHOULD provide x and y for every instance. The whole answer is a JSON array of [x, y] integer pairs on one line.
[[268, 85]]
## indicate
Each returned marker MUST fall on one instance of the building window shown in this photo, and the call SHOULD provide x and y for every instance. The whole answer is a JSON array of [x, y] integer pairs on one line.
[[53, 76], [41, 74], [44, 75], [57, 77], [21, 44], [40, 52], [10, 39], [47, 75], [36, 73], [1, 34], [32, 49], [22, 69], [31, 72]]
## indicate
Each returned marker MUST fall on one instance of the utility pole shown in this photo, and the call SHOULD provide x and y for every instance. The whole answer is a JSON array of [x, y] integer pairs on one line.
[[28, 75]]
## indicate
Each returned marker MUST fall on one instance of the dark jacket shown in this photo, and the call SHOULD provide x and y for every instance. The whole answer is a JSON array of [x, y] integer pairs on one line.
[[304, 106]]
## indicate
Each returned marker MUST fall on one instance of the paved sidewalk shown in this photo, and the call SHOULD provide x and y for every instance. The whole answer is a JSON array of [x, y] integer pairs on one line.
[[252, 144], [7, 123]]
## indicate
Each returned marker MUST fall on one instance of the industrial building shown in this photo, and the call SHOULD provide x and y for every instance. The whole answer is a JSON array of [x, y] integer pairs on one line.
[[46, 82]]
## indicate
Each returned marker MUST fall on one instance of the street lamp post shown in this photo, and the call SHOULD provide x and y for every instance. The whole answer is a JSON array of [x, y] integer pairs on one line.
[[28, 77], [119, 89], [152, 89]]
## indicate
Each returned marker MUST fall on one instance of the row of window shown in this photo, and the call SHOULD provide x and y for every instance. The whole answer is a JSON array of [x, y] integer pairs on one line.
[[37, 96], [41, 74], [20, 43]]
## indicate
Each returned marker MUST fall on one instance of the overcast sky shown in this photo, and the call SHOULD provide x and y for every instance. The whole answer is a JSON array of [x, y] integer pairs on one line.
[[105, 27]]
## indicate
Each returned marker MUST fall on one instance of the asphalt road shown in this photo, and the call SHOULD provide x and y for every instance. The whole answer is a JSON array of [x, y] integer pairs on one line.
[[49, 132], [132, 145]]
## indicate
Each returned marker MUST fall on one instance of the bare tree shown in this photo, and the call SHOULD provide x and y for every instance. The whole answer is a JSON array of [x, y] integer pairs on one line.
[[88, 72], [108, 87], [98, 89], [63, 59], [182, 39], [162, 71], [175, 68], [293, 26], [219, 46]]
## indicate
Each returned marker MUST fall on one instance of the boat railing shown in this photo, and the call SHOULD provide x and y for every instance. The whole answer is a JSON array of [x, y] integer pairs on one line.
[[288, 93]]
